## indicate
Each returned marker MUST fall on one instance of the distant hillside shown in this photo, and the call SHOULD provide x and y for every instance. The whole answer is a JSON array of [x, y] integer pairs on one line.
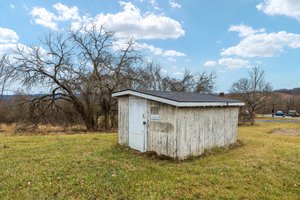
[[294, 91], [11, 96]]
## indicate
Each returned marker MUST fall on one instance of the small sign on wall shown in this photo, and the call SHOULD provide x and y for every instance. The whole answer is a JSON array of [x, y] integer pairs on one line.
[[155, 117]]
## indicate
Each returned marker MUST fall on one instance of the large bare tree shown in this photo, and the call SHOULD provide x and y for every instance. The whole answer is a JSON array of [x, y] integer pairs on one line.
[[255, 91], [82, 68], [112, 64]]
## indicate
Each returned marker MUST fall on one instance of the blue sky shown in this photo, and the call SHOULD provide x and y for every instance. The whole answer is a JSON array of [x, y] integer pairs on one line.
[[225, 36]]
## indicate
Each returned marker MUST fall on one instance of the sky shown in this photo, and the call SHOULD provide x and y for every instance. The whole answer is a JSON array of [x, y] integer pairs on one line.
[[225, 36]]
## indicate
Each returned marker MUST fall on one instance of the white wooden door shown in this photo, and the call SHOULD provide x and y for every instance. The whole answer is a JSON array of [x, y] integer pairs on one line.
[[137, 123]]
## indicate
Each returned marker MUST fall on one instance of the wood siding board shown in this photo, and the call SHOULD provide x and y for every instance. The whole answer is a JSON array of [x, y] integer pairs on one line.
[[162, 133], [204, 128], [123, 118]]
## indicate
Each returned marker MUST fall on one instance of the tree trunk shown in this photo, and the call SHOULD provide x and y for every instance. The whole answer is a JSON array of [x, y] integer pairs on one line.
[[90, 120], [252, 116], [106, 119], [90, 123], [106, 109]]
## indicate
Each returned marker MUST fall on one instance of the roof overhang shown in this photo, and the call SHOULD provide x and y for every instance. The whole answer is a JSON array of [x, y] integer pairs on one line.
[[177, 103]]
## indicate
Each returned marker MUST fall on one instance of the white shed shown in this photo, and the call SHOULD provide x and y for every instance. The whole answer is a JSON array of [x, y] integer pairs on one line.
[[176, 124]]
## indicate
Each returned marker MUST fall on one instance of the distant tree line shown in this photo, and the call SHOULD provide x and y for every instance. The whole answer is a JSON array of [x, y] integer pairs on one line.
[[294, 91], [281, 102]]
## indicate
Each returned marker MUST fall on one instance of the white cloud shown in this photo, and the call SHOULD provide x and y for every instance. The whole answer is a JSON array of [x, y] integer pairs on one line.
[[178, 74], [172, 53], [257, 43], [12, 6], [244, 30], [254, 43], [50, 20], [131, 22], [171, 59], [7, 48], [11, 48], [9, 42], [234, 63], [85, 20], [43, 17], [230, 63], [164, 71], [289, 8], [66, 13], [174, 4], [173, 71], [160, 52], [122, 43], [8, 36], [154, 4], [176, 71], [157, 51], [210, 63]]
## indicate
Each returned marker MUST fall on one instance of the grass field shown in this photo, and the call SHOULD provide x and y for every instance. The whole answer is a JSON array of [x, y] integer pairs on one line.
[[92, 166]]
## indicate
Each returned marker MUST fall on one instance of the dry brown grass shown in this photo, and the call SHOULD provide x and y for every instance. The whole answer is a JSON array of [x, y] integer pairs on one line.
[[292, 132], [41, 129], [7, 129]]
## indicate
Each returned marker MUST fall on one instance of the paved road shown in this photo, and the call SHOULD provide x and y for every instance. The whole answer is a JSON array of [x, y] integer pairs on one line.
[[279, 117], [294, 121]]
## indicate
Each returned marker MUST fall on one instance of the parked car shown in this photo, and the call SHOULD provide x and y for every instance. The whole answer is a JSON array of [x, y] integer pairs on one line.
[[292, 113], [279, 113]]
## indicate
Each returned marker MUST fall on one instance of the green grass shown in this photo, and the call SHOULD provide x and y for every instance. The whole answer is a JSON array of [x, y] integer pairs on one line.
[[92, 166]]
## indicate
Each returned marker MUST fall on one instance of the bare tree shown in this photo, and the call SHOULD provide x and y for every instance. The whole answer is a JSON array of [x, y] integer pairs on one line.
[[111, 64], [5, 74], [205, 82], [151, 78], [82, 68], [199, 82], [254, 90]]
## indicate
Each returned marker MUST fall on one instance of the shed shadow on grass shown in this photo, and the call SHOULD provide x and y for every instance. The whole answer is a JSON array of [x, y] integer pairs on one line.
[[217, 150], [153, 156]]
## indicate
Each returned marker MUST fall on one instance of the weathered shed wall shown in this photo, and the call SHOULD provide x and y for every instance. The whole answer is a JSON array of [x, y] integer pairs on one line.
[[123, 119], [180, 132], [162, 133], [203, 128]]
